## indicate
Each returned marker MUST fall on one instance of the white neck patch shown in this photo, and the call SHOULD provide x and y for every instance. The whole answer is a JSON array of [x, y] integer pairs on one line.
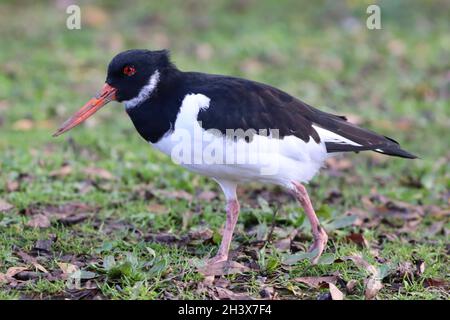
[[145, 92]]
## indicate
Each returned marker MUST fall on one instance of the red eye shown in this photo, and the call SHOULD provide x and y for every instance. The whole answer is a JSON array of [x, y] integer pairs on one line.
[[129, 70]]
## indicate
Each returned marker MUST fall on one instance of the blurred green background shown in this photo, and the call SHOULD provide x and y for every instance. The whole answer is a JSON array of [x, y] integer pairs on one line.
[[395, 80]]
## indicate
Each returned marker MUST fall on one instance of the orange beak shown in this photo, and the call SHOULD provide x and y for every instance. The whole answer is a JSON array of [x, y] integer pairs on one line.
[[106, 95]]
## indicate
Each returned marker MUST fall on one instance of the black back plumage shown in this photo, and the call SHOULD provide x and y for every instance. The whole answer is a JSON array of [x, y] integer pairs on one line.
[[237, 103]]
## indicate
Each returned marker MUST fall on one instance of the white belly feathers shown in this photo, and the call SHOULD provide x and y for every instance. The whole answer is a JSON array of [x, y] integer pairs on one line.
[[264, 159]]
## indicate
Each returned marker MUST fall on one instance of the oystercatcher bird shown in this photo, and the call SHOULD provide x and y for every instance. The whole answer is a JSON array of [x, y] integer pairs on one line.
[[230, 129]]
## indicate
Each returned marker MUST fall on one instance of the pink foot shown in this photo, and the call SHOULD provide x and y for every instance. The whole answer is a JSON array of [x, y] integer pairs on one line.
[[320, 241], [216, 259]]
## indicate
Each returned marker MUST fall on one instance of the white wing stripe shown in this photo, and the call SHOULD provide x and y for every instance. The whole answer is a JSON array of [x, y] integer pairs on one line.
[[329, 136]]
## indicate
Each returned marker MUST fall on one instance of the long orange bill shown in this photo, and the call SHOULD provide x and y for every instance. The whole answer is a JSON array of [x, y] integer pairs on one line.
[[106, 95]]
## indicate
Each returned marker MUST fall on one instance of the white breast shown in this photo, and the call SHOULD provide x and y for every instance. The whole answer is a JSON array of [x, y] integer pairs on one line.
[[264, 159]]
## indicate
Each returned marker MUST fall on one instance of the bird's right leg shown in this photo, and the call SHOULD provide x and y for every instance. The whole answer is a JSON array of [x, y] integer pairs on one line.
[[232, 208]]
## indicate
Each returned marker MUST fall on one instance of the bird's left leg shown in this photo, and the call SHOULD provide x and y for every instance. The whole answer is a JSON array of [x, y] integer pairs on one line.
[[232, 208], [319, 234]]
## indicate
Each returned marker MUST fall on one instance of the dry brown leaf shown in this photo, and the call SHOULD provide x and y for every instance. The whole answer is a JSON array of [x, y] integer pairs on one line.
[[435, 228], [12, 271], [176, 194], [45, 244], [64, 171], [358, 239], [432, 282], [39, 221], [157, 208], [5, 206], [162, 237], [223, 293], [29, 259], [316, 282], [207, 195], [373, 286], [350, 286], [373, 283], [100, 173], [67, 268], [208, 281], [68, 213], [268, 293], [420, 267], [335, 293], [201, 234], [186, 217], [223, 268], [23, 125], [285, 244], [12, 185], [360, 262]]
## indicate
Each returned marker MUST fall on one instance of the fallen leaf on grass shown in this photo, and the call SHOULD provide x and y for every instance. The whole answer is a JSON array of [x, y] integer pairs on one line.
[[439, 283], [45, 245], [285, 244], [100, 173], [12, 271], [8, 277], [291, 259], [67, 214], [434, 229], [267, 293], [335, 293], [67, 268], [350, 286], [223, 268], [358, 239], [317, 282], [162, 237], [340, 222], [28, 275], [39, 221], [200, 234], [326, 258], [5, 206], [71, 219], [177, 194], [207, 195], [12, 185], [32, 260], [223, 293], [64, 171], [157, 208], [420, 267], [23, 125], [3, 278], [373, 283], [373, 286]]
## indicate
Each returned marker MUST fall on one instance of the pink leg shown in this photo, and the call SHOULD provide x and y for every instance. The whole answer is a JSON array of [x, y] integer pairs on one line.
[[232, 217], [319, 235]]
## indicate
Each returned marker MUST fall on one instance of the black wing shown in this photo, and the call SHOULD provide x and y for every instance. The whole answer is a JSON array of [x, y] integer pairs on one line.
[[242, 104]]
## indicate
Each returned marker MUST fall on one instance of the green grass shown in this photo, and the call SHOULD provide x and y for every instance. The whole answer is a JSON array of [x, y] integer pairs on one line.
[[395, 80]]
